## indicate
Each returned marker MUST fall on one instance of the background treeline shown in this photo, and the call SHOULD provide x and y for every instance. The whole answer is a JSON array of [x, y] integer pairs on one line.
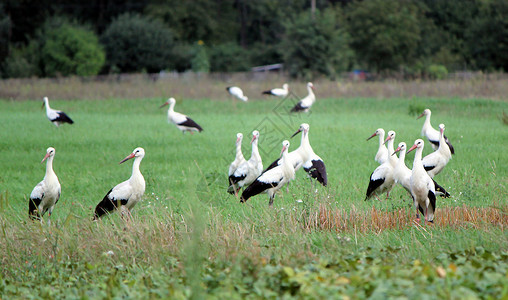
[[415, 38]]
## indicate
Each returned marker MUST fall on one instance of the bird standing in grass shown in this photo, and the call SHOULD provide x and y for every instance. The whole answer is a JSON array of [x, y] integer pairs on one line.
[[305, 104], [432, 134], [239, 159], [248, 171], [272, 180], [45, 195], [382, 151], [422, 187], [56, 117], [435, 162], [125, 195], [181, 121]]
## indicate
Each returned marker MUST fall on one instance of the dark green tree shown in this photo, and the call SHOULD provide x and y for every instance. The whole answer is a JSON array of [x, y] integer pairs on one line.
[[385, 34], [316, 45], [135, 43], [70, 49]]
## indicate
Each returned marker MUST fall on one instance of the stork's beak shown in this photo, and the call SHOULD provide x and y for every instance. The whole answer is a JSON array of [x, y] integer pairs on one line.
[[387, 139], [45, 157], [253, 138], [396, 150], [165, 103], [297, 132], [43, 104], [127, 158], [411, 149], [283, 149], [373, 135], [238, 140], [423, 114]]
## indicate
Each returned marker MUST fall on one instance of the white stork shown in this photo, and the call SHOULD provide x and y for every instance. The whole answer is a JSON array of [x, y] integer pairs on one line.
[[278, 92], [56, 117], [402, 173], [181, 121], [390, 140], [124, 195], [249, 170], [437, 160], [272, 180], [45, 194], [432, 134], [422, 186], [382, 151], [381, 180], [239, 159], [305, 157], [237, 93], [305, 104]]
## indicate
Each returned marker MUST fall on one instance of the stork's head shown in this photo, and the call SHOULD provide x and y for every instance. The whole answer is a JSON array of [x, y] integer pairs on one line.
[[285, 86], [304, 127], [391, 136], [44, 101], [239, 137], [426, 112], [379, 131], [171, 101], [402, 147], [285, 147], [138, 152], [255, 136], [50, 152], [441, 128], [418, 144], [310, 85]]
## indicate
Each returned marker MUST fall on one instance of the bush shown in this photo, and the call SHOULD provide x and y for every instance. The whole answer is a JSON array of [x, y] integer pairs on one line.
[[71, 50], [135, 43], [21, 63], [229, 57], [437, 72]]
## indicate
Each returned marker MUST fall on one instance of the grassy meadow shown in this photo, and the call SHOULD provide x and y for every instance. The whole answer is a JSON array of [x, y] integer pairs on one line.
[[188, 238]]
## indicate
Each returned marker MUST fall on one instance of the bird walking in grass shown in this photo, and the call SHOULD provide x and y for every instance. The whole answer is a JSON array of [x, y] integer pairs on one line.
[[305, 104], [432, 134], [56, 117], [422, 187], [237, 93], [124, 196], [272, 180], [181, 121], [248, 171], [46, 193], [278, 92]]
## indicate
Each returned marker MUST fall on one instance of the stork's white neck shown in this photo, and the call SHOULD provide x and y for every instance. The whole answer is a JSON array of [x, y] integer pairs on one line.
[[402, 157], [46, 104], [171, 107], [382, 139], [239, 154], [417, 162], [49, 167], [391, 150], [305, 148], [135, 168], [426, 124], [287, 168], [255, 151], [309, 89]]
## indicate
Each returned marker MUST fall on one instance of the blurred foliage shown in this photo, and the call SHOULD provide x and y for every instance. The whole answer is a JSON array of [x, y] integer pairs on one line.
[[316, 45], [402, 37], [437, 72], [136, 43]]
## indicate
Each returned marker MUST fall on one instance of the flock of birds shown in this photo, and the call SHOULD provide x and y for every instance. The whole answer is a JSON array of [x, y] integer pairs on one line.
[[250, 176]]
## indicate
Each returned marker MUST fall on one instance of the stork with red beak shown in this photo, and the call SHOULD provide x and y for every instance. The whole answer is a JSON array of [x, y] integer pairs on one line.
[[239, 159], [305, 104], [46, 193], [125, 195], [432, 134], [435, 162], [382, 151]]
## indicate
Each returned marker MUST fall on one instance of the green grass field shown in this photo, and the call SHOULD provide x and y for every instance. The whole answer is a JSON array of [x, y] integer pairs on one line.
[[189, 238]]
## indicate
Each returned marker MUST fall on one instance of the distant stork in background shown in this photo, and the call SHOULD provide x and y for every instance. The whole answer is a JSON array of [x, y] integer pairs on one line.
[[305, 157], [422, 186], [45, 194], [239, 159], [382, 151], [181, 121], [125, 195], [432, 134], [279, 92], [305, 104], [272, 180], [237, 93], [56, 117], [248, 171]]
